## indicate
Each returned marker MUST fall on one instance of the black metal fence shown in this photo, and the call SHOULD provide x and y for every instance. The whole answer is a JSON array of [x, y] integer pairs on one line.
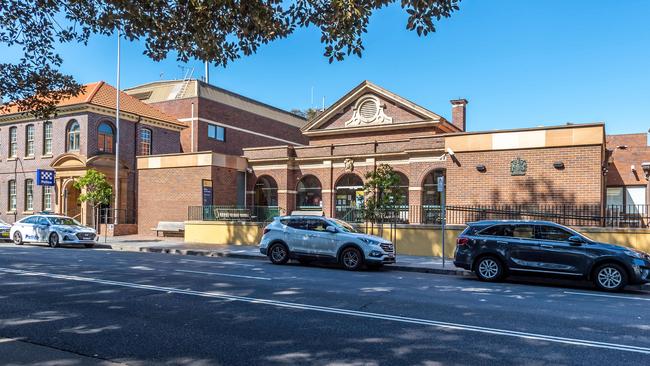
[[233, 213], [623, 216], [124, 216]]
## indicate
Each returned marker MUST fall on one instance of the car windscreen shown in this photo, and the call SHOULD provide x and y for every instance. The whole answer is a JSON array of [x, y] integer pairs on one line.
[[63, 221], [343, 226]]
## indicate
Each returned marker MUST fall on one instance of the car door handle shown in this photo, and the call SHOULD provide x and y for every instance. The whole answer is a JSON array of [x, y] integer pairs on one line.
[[546, 246]]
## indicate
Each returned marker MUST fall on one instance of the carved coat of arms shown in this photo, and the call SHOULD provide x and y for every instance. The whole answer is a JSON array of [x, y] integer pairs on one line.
[[518, 166], [349, 165]]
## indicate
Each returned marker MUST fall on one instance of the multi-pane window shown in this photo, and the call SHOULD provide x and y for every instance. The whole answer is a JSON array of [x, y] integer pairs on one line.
[[29, 195], [73, 136], [13, 142], [47, 138], [47, 198], [29, 140], [216, 132], [12, 195], [105, 138], [145, 141]]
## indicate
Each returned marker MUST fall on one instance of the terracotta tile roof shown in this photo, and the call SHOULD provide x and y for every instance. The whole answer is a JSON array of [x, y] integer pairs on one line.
[[103, 95]]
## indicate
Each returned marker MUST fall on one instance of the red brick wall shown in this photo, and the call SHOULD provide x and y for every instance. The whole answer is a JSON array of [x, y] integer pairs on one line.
[[623, 152], [398, 113], [381, 135]]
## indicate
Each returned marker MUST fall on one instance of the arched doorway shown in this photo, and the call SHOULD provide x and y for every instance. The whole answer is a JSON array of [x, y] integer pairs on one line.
[[309, 194], [349, 197], [432, 198], [265, 199], [71, 204]]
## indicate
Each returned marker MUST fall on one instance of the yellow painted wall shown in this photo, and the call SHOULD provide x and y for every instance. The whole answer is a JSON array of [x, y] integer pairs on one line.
[[421, 240]]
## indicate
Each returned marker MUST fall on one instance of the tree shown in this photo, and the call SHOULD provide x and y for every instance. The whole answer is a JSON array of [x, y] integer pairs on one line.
[[308, 114], [216, 31], [381, 192], [95, 189]]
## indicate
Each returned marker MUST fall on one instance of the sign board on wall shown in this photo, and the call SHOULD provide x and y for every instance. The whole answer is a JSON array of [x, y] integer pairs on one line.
[[45, 177], [206, 186]]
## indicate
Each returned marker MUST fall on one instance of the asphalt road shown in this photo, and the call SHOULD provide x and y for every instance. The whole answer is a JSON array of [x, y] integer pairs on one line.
[[78, 306]]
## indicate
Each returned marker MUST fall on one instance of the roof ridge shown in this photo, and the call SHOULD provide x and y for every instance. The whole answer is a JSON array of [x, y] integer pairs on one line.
[[91, 95]]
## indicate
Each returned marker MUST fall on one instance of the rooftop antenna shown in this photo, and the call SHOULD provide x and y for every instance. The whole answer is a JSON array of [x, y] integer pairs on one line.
[[323, 104], [207, 72]]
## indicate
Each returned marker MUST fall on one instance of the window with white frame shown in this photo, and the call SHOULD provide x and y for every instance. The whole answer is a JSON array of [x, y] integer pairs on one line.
[[12, 195], [145, 141], [216, 132], [29, 140], [13, 142], [29, 195], [47, 138], [47, 198]]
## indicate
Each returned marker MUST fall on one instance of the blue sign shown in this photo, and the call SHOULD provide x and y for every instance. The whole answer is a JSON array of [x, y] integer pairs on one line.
[[45, 177]]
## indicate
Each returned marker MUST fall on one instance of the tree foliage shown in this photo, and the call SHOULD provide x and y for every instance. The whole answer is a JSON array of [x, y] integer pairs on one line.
[[95, 188], [308, 114], [381, 191], [218, 31]]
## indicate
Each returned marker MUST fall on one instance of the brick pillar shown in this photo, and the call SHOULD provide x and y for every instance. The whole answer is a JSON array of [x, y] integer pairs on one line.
[[328, 204], [415, 205], [458, 117]]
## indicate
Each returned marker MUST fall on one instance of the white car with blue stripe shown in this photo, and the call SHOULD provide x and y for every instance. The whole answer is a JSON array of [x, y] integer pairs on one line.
[[53, 230]]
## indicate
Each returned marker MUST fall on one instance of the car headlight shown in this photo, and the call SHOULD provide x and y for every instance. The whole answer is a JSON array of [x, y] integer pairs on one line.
[[634, 254], [370, 241]]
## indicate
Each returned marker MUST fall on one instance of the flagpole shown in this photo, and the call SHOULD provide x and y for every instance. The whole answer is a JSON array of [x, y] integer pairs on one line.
[[116, 190]]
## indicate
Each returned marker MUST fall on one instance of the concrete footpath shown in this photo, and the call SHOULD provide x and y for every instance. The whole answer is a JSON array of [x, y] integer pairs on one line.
[[177, 246]]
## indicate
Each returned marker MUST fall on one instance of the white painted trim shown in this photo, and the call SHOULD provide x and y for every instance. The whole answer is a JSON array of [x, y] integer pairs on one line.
[[239, 129], [415, 188]]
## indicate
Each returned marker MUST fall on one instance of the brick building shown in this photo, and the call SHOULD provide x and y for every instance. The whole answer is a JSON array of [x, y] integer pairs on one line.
[[371, 126], [80, 137], [219, 120], [628, 169]]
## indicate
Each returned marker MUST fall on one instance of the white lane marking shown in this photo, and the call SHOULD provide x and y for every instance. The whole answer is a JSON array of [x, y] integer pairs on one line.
[[217, 262], [225, 274], [610, 296], [361, 314]]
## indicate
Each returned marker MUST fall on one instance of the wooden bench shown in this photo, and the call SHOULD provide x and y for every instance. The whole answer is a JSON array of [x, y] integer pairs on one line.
[[233, 214], [169, 227]]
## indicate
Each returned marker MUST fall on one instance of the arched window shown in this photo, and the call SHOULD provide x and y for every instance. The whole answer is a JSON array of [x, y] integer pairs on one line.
[[29, 195], [29, 140], [309, 195], [73, 136], [403, 189], [349, 195], [145, 141], [47, 138], [432, 198], [12, 195], [105, 141], [266, 192], [13, 142]]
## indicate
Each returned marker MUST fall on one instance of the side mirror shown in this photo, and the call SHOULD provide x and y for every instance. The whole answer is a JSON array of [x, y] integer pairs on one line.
[[575, 240], [331, 229]]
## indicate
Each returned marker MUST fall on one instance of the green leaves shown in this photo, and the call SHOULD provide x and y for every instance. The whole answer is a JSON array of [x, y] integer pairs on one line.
[[381, 191], [94, 187], [219, 31]]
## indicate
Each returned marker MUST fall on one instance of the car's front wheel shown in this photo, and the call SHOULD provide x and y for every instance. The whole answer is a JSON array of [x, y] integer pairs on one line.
[[53, 240], [351, 259], [610, 277], [489, 269], [18, 238], [278, 253]]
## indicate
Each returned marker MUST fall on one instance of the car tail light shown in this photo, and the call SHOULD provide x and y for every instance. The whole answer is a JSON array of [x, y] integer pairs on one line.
[[462, 241], [266, 230]]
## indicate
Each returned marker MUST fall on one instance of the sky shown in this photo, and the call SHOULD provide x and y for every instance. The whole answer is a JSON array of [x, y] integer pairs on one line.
[[518, 63]]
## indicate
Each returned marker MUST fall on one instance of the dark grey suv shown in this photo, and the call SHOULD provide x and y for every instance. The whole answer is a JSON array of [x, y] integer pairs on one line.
[[493, 249]]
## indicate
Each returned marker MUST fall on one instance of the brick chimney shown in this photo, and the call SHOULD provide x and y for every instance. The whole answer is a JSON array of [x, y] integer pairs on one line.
[[458, 113]]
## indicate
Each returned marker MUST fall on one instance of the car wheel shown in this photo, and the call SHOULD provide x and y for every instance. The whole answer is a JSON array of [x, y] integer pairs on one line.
[[351, 259], [18, 238], [610, 277], [89, 245], [278, 254], [489, 269], [53, 240]]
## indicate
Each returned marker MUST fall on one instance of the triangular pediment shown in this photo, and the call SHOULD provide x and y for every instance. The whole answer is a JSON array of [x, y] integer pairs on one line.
[[370, 106]]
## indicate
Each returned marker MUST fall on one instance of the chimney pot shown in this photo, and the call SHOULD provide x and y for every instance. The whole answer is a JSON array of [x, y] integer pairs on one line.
[[458, 116]]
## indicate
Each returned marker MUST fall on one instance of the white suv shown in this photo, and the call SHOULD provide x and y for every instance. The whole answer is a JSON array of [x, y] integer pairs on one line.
[[310, 238], [53, 230]]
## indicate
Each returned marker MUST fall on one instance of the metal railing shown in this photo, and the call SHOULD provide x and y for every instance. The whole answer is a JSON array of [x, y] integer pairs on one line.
[[233, 213], [622, 216], [124, 216]]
